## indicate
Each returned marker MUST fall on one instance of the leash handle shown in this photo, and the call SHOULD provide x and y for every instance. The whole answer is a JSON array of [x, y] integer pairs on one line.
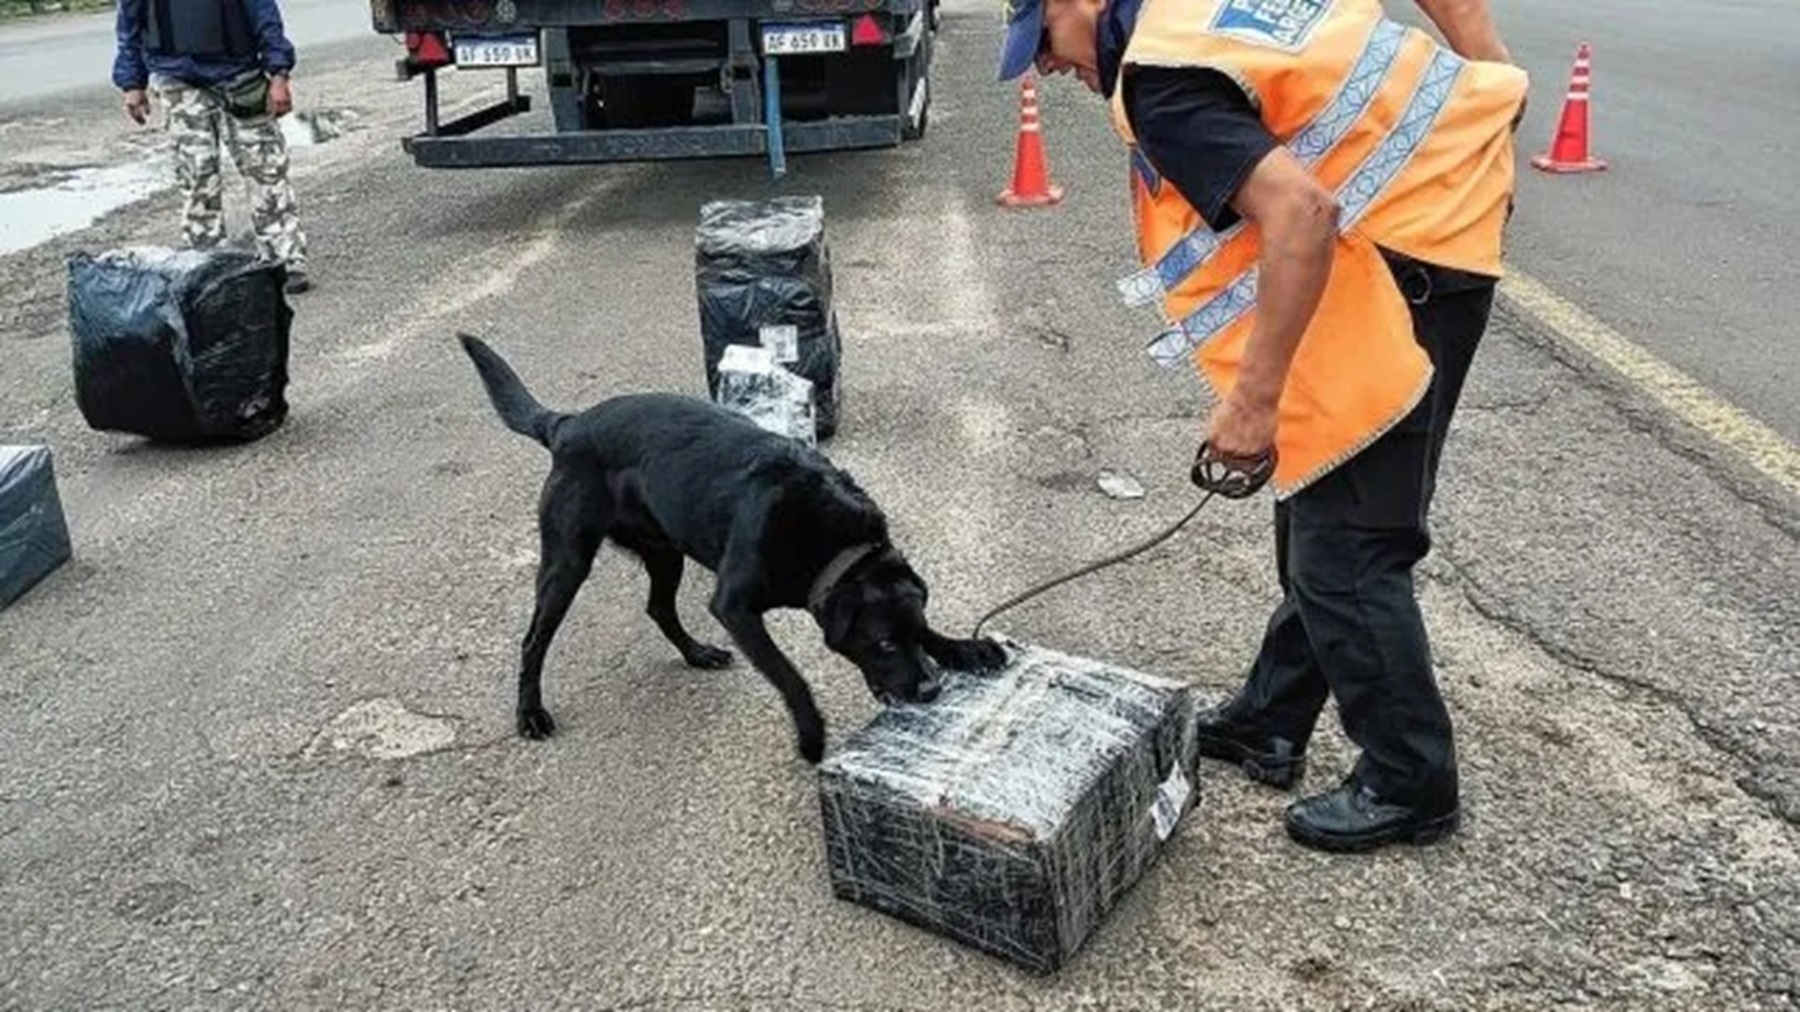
[[1231, 477]]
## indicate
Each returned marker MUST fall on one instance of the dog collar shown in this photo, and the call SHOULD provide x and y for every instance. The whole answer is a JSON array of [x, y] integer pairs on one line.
[[834, 571]]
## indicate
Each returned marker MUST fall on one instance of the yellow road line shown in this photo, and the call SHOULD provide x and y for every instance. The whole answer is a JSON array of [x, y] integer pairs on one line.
[[1764, 448]]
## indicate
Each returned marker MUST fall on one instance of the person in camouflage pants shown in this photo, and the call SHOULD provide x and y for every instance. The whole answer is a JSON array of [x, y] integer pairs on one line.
[[221, 69], [200, 127]]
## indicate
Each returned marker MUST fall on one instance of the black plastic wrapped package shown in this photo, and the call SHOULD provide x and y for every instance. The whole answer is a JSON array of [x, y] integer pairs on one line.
[[34, 535], [1015, 811], [180, 346], [763, 276]]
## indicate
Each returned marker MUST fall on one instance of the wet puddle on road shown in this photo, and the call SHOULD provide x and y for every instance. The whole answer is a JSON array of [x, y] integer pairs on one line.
[[75, 200]]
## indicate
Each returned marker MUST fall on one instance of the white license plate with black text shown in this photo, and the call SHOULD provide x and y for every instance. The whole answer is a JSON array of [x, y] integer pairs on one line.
[[497, 51], [793, 40]]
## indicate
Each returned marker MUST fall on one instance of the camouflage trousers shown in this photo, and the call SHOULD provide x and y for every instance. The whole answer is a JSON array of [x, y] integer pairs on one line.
[[200, 126]]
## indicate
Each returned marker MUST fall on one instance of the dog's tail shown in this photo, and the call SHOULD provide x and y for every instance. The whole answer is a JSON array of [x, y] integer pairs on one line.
[[518, 409]]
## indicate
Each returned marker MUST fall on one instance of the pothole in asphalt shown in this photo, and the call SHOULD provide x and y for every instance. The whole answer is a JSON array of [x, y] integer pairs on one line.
[[73, 200], [384, 729]]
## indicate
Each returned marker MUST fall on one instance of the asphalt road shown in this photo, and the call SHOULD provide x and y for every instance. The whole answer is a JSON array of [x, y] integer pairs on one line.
[[255, 740], [1687, 241], [49, 55]]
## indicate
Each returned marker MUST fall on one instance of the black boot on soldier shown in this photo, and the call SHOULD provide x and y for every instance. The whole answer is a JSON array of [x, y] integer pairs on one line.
[[1352, 819], [1263, 758]]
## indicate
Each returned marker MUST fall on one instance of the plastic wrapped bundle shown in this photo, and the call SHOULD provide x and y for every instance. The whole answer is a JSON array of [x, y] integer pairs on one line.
[[1014, 812], [34, 536], [182, 346], [753, 385], [763, 275]]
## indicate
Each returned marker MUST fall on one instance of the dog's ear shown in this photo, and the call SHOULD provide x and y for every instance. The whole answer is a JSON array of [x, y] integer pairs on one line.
[[923, 590], [911, 588], [904, 582], [837, 614]]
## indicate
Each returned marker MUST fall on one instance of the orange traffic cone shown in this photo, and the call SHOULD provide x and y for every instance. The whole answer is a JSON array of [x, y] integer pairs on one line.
[[1031, 186], [1569, 151]]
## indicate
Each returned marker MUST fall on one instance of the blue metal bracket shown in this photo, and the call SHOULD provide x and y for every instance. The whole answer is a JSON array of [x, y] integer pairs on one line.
[[772, 116]]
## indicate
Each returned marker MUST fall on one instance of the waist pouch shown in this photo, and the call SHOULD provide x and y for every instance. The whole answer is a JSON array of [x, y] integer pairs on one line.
[[245, 96]]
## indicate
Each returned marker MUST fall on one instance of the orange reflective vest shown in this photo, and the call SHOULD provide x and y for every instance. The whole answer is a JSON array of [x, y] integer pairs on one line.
[[1416, 143]]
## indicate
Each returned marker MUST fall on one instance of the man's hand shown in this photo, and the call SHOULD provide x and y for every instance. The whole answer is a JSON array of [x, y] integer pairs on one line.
[[1242, 428], [137, 106], [281, 96]]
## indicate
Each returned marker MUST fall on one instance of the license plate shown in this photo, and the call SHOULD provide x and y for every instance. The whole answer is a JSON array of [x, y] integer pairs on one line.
[[790, 40], [497, 51]]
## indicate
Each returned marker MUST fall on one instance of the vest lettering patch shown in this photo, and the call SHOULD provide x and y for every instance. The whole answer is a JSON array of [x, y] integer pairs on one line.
[[1281, 24]]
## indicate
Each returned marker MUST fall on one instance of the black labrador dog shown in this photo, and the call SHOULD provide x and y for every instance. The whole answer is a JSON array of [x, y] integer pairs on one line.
[[669, 478]]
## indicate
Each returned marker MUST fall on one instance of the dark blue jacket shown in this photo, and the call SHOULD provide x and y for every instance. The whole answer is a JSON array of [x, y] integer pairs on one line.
[[133, 66]]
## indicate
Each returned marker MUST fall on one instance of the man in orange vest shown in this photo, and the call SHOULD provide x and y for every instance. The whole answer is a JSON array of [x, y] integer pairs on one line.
[[1320, 194]]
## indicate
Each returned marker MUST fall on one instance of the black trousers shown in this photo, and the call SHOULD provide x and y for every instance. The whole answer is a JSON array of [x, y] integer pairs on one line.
[[1345, 548]]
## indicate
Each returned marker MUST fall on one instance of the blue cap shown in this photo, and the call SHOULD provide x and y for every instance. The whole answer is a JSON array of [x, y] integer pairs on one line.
[[1024, 34]]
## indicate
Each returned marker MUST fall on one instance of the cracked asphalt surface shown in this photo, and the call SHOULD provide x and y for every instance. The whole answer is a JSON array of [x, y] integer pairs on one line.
[[255, 740]]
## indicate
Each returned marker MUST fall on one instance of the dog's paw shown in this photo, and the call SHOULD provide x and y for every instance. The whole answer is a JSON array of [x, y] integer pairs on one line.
[[708, 658], [536, 724], [974, 656]]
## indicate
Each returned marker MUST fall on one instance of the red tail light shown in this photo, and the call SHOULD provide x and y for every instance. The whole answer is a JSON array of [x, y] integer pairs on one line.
[[427, 49], [867, 32]]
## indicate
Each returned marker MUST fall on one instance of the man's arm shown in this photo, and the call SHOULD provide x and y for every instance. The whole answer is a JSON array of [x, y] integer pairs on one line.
[[1200, 131], [277, 52], [1299, 223], [129, 74], [1468, 25]]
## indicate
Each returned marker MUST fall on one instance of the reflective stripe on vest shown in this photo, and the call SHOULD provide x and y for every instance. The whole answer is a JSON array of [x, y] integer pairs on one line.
[[1148, 286], [1355, 196]]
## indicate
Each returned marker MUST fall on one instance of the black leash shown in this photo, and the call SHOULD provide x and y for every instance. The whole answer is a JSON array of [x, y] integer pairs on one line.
[[1092, 567], [1231, 477]]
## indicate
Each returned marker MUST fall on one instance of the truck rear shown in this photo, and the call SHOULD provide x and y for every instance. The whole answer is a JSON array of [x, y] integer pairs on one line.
[[637, 80]]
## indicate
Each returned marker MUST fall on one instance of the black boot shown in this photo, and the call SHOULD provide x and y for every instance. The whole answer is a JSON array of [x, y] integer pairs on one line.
[[1351, 819], [1264, 759]]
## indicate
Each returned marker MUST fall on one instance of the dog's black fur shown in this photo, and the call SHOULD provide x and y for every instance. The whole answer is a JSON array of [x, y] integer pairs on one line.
[[670, 478]]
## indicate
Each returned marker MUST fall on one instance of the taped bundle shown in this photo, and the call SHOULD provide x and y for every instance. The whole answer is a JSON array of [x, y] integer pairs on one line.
[[1014, 812]]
